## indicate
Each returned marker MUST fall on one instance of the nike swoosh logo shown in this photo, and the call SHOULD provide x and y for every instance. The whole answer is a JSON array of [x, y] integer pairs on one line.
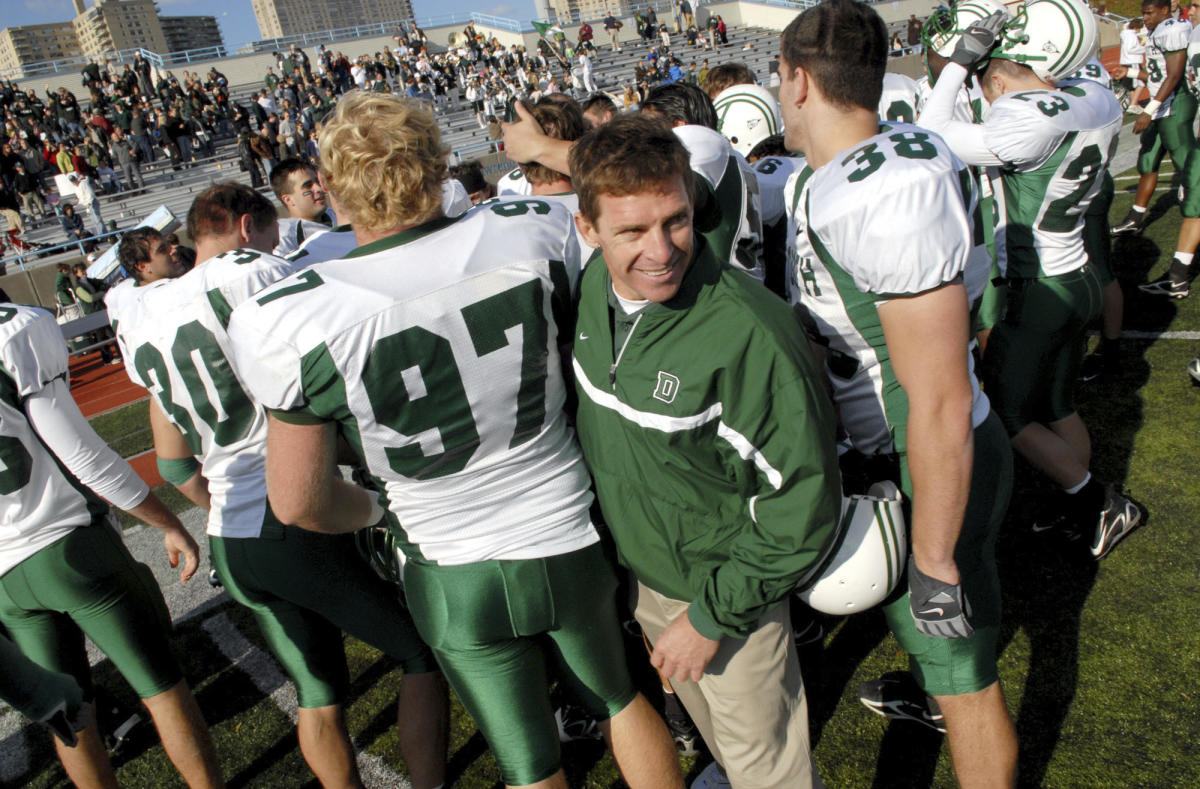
[[937, 611], [582, 336], [1038, 528]]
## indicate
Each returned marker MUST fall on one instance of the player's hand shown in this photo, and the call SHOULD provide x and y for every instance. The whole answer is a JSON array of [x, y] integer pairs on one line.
[[978, 39], [1142, 123], [939, 609], [681, 652], [1118, 72], [179, 543], [523, 137]]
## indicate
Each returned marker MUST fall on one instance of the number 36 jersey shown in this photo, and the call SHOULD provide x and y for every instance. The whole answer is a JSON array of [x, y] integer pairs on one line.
[[175, 345], [435, 351], [1055, 146], [896, 216]]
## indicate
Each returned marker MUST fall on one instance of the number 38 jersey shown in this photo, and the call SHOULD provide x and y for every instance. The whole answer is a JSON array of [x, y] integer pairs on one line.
[[175, 344], [1055, 146], [436, 353], [898, 215]]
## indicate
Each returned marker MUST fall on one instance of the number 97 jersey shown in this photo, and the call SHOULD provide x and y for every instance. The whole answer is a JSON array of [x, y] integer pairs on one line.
[[436, 353]]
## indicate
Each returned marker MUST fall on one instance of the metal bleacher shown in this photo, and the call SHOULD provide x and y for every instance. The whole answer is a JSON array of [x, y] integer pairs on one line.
[[175, 187]]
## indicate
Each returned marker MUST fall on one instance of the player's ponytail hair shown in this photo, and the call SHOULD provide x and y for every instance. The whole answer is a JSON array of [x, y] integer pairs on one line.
[[382, 158]]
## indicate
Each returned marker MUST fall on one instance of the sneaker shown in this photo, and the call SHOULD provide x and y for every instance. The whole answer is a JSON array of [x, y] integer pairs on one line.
[[1098, 365], [711, 778], [1194, 370], [898, 697], [1119, 517], [1166, 287], [574, 724], [1134, 223], [810, 632], [679, 723]]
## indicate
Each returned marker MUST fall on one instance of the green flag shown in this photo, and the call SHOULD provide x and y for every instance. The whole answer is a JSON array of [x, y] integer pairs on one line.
[[542, 27]]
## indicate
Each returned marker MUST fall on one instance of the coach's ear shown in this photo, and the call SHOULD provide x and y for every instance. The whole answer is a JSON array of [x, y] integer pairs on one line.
[[586, 229]]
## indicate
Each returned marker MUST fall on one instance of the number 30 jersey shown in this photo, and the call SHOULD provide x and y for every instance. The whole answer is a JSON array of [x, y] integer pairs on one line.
[[176, 347], [436, 352], [1055, 146], [898, 215]]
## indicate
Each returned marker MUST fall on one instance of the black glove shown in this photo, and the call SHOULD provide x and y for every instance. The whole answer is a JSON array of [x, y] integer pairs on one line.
[[938, 609], [978, 39]]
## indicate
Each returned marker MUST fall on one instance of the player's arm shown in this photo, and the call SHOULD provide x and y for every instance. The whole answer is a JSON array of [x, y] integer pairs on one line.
[[302, 482], [965, 139], [524, 141], [176, 463], [788, 524], [54, 415], [926, 336], [1176, 64]]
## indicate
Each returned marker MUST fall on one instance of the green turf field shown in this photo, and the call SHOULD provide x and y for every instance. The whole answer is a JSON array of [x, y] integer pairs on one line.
[[1101, 664]]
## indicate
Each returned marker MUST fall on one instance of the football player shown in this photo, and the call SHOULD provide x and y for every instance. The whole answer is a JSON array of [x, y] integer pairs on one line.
[[1165, 124], [298, 188], [445, 380], [64, 570], [896, 332], [1175, 283], [210, 438], [1053, 146]]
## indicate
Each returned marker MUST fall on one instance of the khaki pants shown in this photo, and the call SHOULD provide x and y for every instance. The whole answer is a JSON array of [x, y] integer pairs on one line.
[[749, 706]]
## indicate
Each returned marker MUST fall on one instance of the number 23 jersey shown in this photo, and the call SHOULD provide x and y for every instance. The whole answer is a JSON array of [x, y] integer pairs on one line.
[[435, 351], [1055, 145], [896, 216]]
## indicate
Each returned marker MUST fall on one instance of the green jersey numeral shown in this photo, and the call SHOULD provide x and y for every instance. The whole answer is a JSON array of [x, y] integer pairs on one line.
[[1153, 71], [7, 314], [432, 406], [18, 463], [520, 207], [1087, 167], [900, 111], [907, 145], [194, 342], [306, 280]]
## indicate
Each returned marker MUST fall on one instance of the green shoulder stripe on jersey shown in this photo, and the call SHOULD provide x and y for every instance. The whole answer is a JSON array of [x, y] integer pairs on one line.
[[299, 253], [863, 313], [801, 180], [297, 417], [220, 306], [412, 234]]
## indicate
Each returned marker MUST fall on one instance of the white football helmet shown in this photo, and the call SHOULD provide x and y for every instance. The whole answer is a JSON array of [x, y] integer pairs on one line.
[[1052, 37], [946, 25], [868, 559], [747, 115]]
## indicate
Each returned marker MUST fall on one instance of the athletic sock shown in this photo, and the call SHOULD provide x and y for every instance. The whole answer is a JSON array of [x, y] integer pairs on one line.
[[1141, 209], [673, 709], [1087, 502], [1108, 346], [1181, 268]]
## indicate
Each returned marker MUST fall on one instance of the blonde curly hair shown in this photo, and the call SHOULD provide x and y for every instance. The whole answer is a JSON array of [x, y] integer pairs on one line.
[[382, 158]]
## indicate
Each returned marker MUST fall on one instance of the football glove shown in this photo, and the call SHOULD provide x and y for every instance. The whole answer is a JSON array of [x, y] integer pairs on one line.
[[938, 609], [978, 39]]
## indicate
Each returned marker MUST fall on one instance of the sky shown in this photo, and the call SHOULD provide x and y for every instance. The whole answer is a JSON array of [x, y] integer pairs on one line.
[[236, 18]]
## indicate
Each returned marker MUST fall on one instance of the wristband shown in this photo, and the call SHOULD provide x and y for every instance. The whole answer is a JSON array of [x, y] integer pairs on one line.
[[1152, 107]]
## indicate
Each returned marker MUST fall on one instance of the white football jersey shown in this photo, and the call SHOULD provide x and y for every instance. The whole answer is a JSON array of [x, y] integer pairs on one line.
[[902, 191], [1094, 71], [513, 183], [570, 201], [969, 104], [328, 245], [39, 501], [117, 299], [735, 230], [900, 98], [180, 353], [1192, 75], [1055, 145], [293, 232], [773, 173], [1171, 36], [435, 350]]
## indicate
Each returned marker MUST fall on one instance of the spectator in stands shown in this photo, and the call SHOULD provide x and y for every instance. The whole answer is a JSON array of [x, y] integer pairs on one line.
[[29, 189], [248, 159], [261, 143], [124, 156], [64, 287], [613, 26], [87, 198], [685, 8], [914, 34]]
